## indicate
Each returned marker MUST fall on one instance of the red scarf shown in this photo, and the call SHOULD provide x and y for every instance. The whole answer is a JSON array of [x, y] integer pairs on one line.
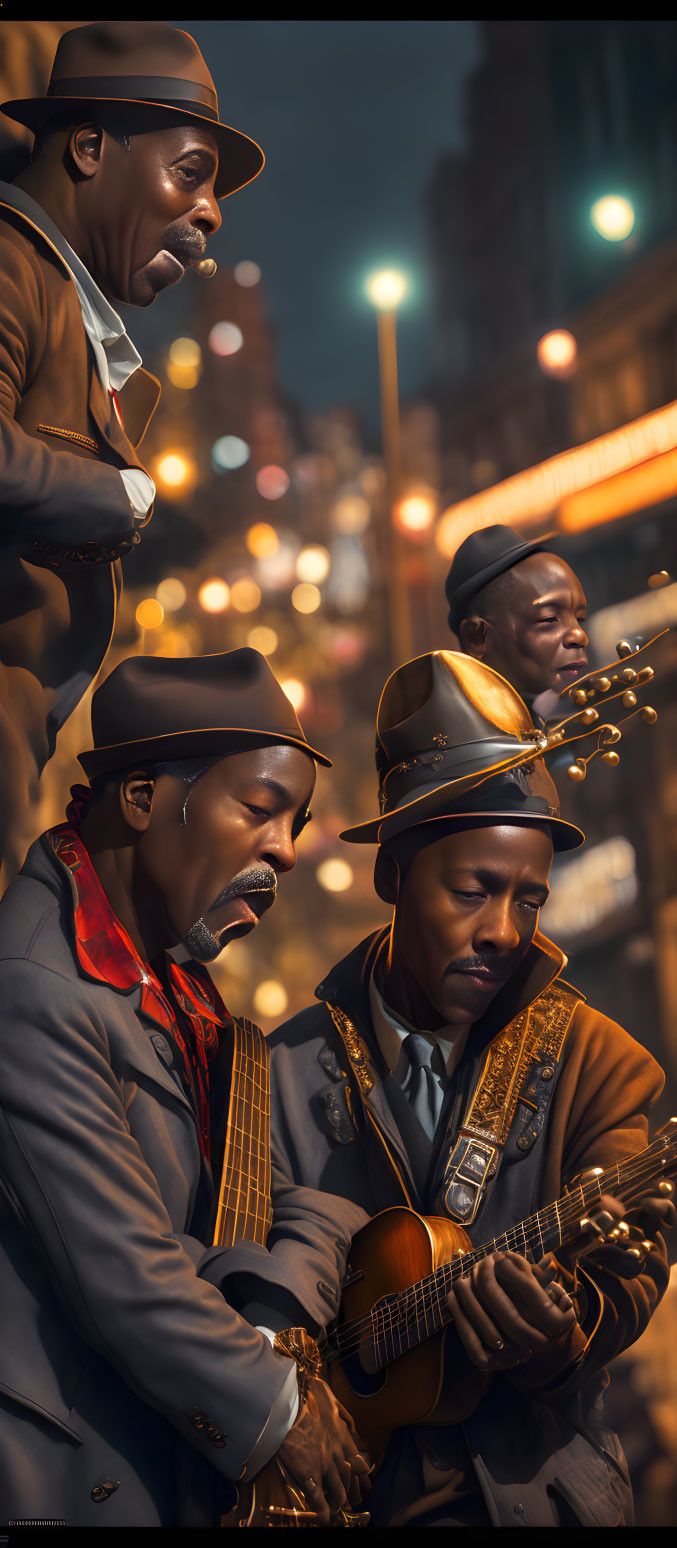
[[107, 955]]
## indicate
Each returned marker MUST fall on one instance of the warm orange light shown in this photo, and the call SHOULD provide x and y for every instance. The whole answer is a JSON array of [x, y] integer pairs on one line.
[[306, 597], [264, 639], [557, 352], [149, 614], [415, 513], [174, 472], [528, 497], [296, 692], [313, 563], [386, 289], [214, 595], [270, 998], [262, 540], [645, 485], [245, 594]]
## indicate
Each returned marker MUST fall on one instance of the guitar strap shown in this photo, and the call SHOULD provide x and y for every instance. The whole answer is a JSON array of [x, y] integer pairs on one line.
[[519, 1068], [244, 1211]]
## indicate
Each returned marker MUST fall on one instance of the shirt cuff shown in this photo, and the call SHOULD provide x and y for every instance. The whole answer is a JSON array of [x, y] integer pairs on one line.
[[140, 489], [282, 1416]]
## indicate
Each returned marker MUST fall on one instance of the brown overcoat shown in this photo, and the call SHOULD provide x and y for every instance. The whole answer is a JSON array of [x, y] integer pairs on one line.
[[66, 515]]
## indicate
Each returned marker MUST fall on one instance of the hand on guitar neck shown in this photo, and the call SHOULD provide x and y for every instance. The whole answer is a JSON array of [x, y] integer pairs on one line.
[[509, 1312]]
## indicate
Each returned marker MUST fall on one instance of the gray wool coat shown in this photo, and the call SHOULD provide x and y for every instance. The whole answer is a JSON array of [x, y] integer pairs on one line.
[[541, 1457], [132, 1392]]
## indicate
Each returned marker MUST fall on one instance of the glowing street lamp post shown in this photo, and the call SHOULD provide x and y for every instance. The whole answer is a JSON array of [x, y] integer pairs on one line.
[[385, 290]]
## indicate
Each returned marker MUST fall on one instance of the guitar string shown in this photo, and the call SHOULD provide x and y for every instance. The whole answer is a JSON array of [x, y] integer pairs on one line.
[[425, 1293], [422, 1294]]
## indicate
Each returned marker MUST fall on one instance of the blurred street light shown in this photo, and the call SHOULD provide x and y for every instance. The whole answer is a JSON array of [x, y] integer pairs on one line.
[[264, 639], [245, 595], [270, 998], [230, 451], [247, 273], [149, 614], [415, 513], [225, 338], [262, 540], [171, 593], [556, 352], [306, 598], [184, 363], [272, 482], [386, 289], [313, 563], [174, 473], [214, 595], [613, 217], [335, 875], [296, 692]]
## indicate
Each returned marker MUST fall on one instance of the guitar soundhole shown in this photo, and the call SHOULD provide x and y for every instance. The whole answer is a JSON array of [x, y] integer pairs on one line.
[[366, 1368]]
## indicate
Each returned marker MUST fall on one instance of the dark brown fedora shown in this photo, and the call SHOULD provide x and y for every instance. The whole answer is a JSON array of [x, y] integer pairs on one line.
[[154, 708], [148, 64], [485, 554], [454, 739]]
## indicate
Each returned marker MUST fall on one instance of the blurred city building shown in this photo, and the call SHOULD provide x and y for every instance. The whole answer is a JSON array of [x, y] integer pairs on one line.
[[557, 331]]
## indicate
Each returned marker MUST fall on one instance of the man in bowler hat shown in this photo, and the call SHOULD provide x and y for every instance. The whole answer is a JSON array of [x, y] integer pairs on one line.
[[448, 1067], [139, 1379], [520, 609], [129, 164]]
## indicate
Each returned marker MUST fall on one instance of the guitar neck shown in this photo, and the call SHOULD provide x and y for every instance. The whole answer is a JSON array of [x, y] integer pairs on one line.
[[399, 1322]]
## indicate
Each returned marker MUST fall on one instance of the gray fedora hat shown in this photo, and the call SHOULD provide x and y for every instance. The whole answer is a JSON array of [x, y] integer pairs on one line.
[[455, 739]]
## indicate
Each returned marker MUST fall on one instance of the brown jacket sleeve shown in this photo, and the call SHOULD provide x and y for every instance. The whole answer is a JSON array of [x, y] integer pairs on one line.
[[606, 1088], [47, 494]]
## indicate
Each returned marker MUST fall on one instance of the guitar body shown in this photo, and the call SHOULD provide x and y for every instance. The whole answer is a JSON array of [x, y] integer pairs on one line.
[[395, 1250]]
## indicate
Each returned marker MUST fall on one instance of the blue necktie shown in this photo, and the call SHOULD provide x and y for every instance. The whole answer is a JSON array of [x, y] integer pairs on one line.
[[423, 1089]]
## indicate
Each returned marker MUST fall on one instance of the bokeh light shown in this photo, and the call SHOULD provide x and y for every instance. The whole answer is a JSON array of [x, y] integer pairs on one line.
[[245, 594], [185, 352], [149, 614], [262, 540], [415, 513], [351, 515], [173, 472], [230, 451], [225, 338], [335, 875], [386, 289], [185, 377], [296, 692], [306, 598], [278, 570], [556, 352], [270, 998], [613, 217], [272, 482], [264, 639], [171, 593], [247, 273], [313, 563], [214, 595]]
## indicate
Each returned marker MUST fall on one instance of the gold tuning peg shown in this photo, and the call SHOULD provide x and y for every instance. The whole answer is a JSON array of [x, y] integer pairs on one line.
[[629, 675], [624, 648], [604, 684], [661, 578], [576, 770], [629, 699], [665, 1186], [648, 714], [611, 757]]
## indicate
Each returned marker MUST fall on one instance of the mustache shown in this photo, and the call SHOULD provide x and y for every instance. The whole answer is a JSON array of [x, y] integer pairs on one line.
[[184, 242], [484, 965], [259, 878]]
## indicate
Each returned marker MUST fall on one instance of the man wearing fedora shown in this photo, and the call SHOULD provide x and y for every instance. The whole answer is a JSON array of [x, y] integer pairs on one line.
[[140, 1299], [520, 609], [129, 165], [448, 1067]]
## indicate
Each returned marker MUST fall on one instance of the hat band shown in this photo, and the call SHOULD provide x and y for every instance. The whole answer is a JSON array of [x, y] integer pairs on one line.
[[431, 766], [141, 88]]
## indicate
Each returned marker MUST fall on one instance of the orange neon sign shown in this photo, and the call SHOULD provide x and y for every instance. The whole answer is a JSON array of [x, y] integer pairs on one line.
[[528, 497], [645, 485]]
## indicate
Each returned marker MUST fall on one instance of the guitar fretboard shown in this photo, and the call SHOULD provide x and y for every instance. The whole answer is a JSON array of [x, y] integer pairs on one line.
[[399, 1322]]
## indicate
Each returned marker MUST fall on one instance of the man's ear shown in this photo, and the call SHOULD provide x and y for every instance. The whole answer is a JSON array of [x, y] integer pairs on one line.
[[136, 799], [386, 877], [473, 633], [84, 147]]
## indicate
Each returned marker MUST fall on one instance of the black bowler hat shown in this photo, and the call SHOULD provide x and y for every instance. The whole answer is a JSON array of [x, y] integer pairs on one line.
[[144, 65], [482, 556], [453, 738], [153, 708]]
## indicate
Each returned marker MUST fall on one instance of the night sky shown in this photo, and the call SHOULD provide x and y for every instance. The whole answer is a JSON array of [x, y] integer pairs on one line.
[[352, 117]]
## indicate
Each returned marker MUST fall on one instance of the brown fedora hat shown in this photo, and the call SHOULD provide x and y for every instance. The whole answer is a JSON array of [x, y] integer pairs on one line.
[[447, 727], [148, 65], [154, 708]]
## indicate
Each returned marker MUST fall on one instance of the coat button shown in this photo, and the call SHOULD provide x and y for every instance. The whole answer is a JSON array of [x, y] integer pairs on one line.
[[103, 1488], [547, 1072], [518, 1509]]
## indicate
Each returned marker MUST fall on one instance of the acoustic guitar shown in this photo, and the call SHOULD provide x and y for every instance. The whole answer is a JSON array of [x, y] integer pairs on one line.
[[384, 1354]]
